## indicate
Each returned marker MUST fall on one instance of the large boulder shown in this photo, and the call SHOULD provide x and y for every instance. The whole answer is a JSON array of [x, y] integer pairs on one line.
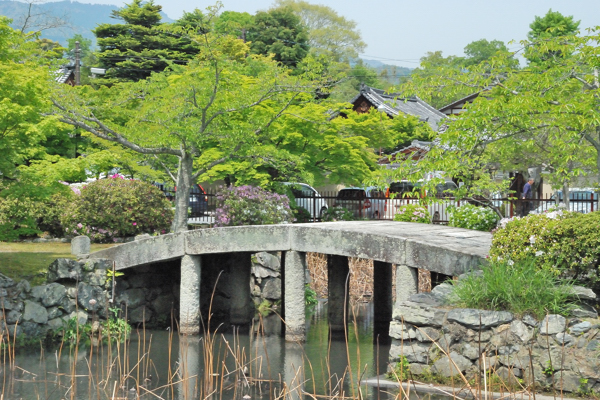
[[35, 312], [49, 295], [553, 324], [132, 298], [476, 319], [453, 365], [272, 289], [163, 304], [418, 314], [64, 268], [6, 282], [90, 297]]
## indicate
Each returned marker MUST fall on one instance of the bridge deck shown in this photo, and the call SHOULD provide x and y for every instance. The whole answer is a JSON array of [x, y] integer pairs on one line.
[[434, 247]]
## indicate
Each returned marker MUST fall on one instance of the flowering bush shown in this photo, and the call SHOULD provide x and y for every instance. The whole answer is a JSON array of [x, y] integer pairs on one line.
[[564, 242], [251, 205], [117, 207], [413, 213], [333, 214], [472, 217]]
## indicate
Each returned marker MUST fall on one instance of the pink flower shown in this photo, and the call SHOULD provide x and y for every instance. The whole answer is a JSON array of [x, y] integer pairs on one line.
[[134, 224]]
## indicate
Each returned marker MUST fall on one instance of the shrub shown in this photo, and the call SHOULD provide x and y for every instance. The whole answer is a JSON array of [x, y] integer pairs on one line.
[[116, 207], [18, 218], [300, 214], [519, 287], [413, 213], [473, 217], [333, 214], [251, 205], [52, 210], [566, 243]]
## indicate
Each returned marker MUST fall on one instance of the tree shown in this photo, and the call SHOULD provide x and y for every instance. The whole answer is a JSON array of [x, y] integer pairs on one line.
[[423, 79], [234, 23], [141, 46], [552, 25], [482, 50], [329, 33], [279, 32], [216, 109], [543, 115]]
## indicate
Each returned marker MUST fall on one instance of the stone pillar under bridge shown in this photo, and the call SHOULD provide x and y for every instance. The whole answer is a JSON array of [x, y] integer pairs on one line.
[[189, 303], [338, 299], [294, 264], [407, 282]]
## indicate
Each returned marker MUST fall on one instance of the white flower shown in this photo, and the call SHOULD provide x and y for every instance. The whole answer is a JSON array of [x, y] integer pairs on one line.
[[510, 262], [539, 253], [532, 239]]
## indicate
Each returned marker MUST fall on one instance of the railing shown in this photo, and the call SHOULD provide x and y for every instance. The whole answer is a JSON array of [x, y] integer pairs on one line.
[[203, 205]]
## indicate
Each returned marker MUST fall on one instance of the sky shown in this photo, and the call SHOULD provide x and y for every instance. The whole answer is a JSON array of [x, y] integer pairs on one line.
[[400, 32]]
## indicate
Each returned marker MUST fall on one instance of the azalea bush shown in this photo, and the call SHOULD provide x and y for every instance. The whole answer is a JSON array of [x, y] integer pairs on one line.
[[566, 243], [251, 205], [117, 207], [413, 213], [333, 214], [473, 217]]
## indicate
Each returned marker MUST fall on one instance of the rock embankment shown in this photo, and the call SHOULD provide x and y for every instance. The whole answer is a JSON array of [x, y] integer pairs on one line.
[[557, 352], [82, 290]]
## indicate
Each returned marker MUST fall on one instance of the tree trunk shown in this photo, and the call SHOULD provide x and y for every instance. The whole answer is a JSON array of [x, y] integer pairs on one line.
[[182, 194]]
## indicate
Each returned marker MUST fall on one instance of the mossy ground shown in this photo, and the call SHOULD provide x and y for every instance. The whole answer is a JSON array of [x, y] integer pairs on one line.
[[30, 261]]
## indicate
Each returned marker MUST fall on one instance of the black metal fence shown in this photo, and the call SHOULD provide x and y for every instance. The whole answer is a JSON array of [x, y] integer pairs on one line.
[[203, 204]]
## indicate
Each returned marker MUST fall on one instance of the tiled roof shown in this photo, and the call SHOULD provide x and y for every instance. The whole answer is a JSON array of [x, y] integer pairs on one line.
[[62, 75], [392, 104]]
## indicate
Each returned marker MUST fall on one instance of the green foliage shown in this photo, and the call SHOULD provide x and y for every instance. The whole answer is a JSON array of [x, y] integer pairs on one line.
[[333, 214], [329, 33], [545, 114], [400, 371], [133, 50], [553, 24], [300, 214], [279, 32], [564, 243], [248, 205], [49, 219], [413, 213], [117, 207], [310, 296], [549, 370], [234, 23], [470, 216], [115, 328], [519, 287]]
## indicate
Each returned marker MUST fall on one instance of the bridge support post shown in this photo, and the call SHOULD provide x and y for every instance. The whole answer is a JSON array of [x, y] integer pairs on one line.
[[382, 291], [242, 308], [189, 300], [293, 295], [338, 283], [407, 282]]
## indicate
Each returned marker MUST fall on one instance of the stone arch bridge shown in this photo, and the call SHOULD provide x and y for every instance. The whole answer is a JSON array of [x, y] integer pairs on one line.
[[408, 246]]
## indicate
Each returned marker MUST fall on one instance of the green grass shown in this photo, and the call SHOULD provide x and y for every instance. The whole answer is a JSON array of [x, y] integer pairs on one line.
[[30, 261], [521, 288]]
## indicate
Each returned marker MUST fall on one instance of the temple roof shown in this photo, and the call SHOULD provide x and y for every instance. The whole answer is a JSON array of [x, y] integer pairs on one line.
[[393, 105]]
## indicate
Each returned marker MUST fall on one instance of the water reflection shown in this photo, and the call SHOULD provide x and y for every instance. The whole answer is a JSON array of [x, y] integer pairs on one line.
[[222, 365]]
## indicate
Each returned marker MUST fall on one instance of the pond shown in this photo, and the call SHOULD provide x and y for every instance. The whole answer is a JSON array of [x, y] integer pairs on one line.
[[254, 364]]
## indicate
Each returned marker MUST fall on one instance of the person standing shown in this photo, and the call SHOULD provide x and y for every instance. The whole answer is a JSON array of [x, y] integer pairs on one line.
[[527, 196]]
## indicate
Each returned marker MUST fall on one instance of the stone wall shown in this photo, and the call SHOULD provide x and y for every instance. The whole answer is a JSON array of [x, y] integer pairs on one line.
[[265, 282], [82, 289], [557, 352]]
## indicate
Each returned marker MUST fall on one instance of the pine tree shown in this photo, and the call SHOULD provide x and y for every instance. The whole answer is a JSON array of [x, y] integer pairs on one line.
[[141, 46]]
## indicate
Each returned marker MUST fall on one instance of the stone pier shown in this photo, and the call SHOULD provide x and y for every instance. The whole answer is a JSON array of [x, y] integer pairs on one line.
[[338, 283], [189, 308], [294, 264]]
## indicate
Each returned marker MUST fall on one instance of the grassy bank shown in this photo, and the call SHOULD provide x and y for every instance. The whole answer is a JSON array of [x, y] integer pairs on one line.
[[31, 260]]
